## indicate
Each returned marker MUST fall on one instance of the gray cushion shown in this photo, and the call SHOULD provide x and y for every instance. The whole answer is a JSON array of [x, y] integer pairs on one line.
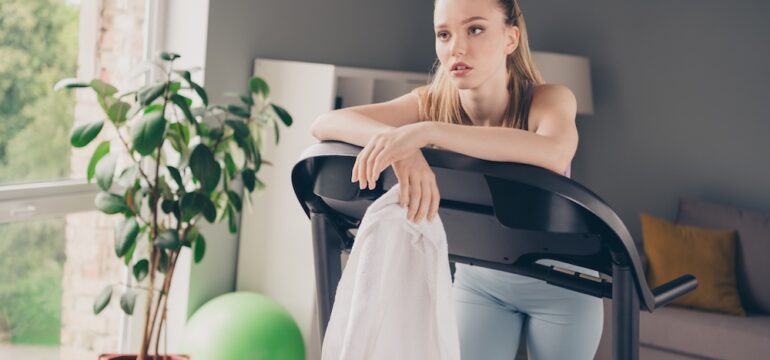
[[707, 334], [753, 247]]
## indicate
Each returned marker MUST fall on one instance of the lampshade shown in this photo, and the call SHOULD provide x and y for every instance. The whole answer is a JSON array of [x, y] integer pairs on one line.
[[571, 71]]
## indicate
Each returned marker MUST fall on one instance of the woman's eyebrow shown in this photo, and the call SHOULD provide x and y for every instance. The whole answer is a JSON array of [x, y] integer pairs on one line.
[[464, 21]]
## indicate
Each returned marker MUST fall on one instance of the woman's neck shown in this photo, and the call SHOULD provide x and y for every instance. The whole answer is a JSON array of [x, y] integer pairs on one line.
[[486, 104]]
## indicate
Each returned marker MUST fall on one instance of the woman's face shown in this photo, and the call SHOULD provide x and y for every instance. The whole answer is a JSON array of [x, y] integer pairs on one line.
[[473, 32]]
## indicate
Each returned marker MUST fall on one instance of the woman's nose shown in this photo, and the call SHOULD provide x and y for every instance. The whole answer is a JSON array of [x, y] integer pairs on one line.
[[458, 47]]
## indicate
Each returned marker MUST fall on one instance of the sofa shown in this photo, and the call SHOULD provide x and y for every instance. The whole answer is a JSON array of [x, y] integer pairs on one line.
[[675, 332]]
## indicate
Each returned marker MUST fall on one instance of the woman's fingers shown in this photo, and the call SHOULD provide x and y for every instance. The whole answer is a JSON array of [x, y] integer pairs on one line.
[[434, 203], [415, 193], [403, 196], [363, 157], [354, 173], [425, 200], [370, 162], [380, 164]]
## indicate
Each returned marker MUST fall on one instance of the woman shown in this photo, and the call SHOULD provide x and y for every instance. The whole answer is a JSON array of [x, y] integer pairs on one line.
[[487, 100]]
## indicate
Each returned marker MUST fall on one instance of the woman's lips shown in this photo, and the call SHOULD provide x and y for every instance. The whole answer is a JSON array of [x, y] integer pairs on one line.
[[462, 72]]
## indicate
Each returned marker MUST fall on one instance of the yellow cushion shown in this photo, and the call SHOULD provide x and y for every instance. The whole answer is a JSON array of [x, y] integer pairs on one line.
[[708, 254]]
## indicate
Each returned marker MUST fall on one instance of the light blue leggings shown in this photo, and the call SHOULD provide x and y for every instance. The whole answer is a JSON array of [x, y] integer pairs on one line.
[[493, 307]]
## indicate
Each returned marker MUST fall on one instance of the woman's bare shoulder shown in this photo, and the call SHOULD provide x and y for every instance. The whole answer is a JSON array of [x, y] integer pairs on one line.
[[549, 98]]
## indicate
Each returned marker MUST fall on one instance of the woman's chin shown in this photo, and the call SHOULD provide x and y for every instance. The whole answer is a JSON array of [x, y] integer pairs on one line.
[[462, 84]]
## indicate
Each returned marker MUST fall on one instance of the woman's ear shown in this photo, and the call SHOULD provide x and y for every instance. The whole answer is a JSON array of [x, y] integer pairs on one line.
[[511, 39]]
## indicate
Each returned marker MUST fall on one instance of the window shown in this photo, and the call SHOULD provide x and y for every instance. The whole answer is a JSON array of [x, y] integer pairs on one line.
[[56, 250]]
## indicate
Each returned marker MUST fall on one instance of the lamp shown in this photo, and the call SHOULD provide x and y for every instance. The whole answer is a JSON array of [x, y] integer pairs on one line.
[[571, 71]]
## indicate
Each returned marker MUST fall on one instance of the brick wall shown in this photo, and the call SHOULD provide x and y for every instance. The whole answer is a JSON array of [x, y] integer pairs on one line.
[[112, 40]]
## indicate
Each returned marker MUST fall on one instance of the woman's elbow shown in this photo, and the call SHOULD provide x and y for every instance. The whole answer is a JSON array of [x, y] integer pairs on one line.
[[316, 127]]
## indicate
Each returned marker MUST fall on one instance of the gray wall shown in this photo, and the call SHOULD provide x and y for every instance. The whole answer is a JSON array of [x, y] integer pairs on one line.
[[394, 34], [681, 90], [680, 87]]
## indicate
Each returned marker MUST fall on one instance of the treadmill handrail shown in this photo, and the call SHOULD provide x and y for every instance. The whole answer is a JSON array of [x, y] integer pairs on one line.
[[523, 173]]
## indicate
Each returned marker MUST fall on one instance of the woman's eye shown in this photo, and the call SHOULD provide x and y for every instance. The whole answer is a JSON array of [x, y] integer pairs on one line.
[[441, 35], [476, 28]]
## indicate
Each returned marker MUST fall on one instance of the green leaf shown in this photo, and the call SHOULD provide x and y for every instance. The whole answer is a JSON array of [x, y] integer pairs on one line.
[[176, 176], [117, 112], [247, 99], [204, 167], [244, 144], [173, 87], [232, 226], [257, 157], [110, 203], [181, 131], [194, 203], [128, 175], [83, 134], [185, 74], [200, 248], [259, 185], [168, 56], [163, 263], [168, 239], [69, 83], [182, 103], [283, 114], [276, 131], [215, 133], [259, 86], [148, 132], [147, 95], [167, 205], [102, 149], [201, 93], [141, 269], [102, 88], [230, 165], [153, 107], [249, 178], [239, 127], [127, 301], [129, 254], [125, 235], [103, 299], [238, 111], [234, 199], [105, 170]]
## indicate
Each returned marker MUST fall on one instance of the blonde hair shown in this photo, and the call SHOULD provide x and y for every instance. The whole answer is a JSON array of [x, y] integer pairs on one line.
[[440, 100]]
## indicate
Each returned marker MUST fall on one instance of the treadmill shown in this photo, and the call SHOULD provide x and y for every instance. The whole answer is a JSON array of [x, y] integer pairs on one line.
[[499, 215]]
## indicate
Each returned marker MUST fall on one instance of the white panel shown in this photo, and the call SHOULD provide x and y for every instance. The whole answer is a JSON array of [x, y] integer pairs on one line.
[[276, 250]]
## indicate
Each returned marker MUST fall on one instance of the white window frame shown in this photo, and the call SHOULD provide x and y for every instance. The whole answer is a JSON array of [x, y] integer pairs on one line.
[[49, 199]]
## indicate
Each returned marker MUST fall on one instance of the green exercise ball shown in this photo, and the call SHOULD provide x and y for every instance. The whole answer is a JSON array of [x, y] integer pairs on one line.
[[243, 326]]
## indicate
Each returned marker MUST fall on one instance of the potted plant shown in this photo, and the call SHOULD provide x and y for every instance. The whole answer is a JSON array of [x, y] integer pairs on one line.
[[181, 162]]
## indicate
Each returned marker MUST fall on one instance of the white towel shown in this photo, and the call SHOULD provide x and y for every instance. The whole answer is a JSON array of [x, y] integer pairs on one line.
[[394, 300]]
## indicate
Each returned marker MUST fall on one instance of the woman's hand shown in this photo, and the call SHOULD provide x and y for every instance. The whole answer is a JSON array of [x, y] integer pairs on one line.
[[418, 187], [400, 147], [386, 148]]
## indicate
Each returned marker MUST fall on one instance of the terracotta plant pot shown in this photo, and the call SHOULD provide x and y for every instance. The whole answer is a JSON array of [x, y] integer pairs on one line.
[[135, 356]]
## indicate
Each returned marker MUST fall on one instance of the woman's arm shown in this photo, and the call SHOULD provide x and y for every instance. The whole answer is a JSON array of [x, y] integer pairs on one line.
[[552, 146], [358, 124]]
